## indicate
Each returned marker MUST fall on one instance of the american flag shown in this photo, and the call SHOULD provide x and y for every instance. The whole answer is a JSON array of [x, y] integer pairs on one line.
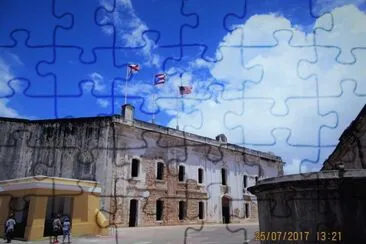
[[134, 68], [160, 78], [185, 90]]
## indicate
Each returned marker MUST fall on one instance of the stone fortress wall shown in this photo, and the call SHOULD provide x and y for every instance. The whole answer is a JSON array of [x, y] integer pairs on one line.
[[109, 149]]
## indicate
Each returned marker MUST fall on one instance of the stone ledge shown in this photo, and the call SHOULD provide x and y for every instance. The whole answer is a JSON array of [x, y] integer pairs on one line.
[[327, 174]]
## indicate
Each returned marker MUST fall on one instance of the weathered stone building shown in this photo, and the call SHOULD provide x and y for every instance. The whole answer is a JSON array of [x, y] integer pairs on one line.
[[351, 149], [149, 174]]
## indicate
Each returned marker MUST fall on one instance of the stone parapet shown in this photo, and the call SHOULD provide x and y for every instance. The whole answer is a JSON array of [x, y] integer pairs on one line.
[[326, 202]]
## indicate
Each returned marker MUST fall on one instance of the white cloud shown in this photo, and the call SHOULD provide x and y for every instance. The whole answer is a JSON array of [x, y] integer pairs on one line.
[[6, 111], [296, 167], [103, 103], [322, 6], [98, 81], [356, 34], [16, 59], [251, 121], [5, 76], [130, 28]]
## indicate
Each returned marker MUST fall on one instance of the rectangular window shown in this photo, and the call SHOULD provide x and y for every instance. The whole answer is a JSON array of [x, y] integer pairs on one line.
[[200, 176], [135, 167], [256, 179], [181, 173], [247, 210], [182, 210], [87, 168], [160, 171], [200, 210], [223, 177], [159, 210], [245, 181]]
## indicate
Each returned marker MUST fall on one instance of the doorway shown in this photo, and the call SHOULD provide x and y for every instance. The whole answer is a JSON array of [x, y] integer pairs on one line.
[[56, 205], [20, 207], [225, 203], [133, 213]]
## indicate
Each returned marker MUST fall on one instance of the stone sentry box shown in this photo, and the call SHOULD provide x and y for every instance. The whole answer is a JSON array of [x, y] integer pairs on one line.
[[332, 203]]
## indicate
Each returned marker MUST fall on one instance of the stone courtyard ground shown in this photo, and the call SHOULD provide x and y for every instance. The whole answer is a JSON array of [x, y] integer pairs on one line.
[[210, 234]]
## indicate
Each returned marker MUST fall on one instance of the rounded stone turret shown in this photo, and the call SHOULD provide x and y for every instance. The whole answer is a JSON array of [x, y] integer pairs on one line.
[[327, 204]]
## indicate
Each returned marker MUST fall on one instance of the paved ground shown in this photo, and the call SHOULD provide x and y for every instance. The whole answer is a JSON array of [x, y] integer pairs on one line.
[[210, 234]]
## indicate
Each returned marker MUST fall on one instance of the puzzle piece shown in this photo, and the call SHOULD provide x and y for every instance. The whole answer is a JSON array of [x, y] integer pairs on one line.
[[91, 78], [248, 111], [347, 95], [150, 35], [15, 19], [26, 68], [85, 21], [288, 85], [347, 46], [216, 19], [329, 77]]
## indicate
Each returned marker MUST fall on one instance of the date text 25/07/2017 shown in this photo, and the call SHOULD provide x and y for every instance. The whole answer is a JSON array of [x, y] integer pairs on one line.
[[282, 235]]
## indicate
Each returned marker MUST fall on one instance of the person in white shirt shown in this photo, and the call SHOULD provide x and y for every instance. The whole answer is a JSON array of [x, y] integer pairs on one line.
[[66, 227], [9, 227]]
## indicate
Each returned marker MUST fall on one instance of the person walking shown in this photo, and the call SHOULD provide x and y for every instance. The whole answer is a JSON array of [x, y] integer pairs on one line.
[[57, 227], [66, 228], [9, 228]]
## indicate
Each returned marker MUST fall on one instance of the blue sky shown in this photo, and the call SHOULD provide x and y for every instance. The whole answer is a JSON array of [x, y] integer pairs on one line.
[[255, 72]]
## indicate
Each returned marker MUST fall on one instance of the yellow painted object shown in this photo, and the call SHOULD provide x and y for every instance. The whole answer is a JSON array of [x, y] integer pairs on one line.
[[31, 200]]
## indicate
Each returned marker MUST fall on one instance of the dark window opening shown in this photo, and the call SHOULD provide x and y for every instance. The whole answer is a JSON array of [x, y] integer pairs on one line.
[[245, 181], [200, 176], [160, 171], [223, 177], [159, 210], [200, 210], [182, 210], [87, 168], [256, 179], [247, 210], [133, 213], [135, 167], [181, 173]]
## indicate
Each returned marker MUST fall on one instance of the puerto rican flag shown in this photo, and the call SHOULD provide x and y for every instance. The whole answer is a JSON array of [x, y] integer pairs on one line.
[[185, 90], [160, 78], [134, 68]]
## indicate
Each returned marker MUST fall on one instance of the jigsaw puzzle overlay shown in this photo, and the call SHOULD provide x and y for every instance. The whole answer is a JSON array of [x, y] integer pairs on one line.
[[287, 83]]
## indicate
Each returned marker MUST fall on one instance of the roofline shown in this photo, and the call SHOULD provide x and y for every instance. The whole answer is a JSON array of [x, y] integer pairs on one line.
[[166, 130], [345, 134]]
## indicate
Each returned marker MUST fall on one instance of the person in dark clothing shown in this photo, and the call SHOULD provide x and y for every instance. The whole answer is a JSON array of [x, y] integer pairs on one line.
[[9, 227], [57, 227]]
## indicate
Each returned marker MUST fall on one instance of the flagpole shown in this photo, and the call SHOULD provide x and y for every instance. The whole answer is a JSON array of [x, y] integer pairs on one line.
[[178, 113], [181, 100], [153, 115], [181, 94], [126, 85]]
